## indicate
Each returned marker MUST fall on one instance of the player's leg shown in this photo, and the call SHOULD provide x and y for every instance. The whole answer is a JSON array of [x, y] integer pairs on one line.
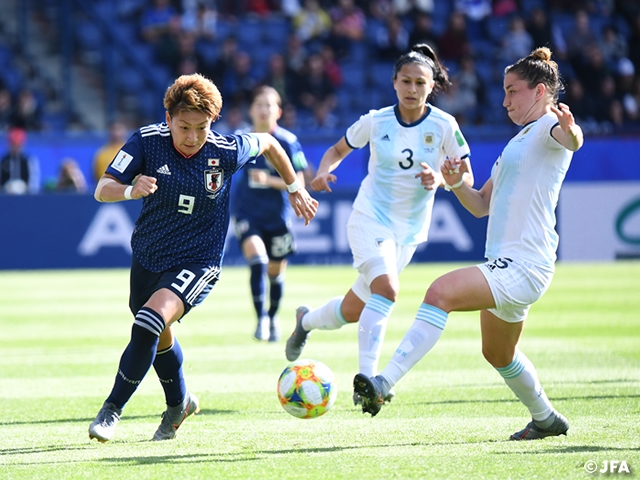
[[462, 289], [279, 245], [331, 316], [373, 321], [136, 359], [168, 367], [499, 347], [334, 314], [516, 285], [192, 283], [276, 274], [254, 251], [137, 356], [381, 274]]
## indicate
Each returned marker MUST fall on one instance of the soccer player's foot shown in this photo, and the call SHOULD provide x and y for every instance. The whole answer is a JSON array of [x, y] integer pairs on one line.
[[533, 431], [370, 391], [298, 338], [357, 399], [104, 426], [274, 329], [262, 329], [173, 417]]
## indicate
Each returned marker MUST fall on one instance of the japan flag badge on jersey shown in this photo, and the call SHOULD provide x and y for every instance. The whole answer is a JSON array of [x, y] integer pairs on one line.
[[213, 181]]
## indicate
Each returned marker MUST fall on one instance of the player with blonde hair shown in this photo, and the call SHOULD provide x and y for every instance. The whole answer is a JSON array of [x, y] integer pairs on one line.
[[182, 171]]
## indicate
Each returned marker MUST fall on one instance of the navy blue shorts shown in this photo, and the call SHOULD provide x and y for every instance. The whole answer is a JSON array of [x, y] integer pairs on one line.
[[279, 241], [192, 282]]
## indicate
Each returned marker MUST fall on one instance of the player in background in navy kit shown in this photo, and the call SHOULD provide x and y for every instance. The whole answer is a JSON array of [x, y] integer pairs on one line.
[[183, 172], [261, 213]]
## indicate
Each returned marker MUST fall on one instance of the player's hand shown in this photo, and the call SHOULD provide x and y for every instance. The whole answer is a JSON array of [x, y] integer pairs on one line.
[[574, 136], [565, 117], [304, 205], [429, 178], [258, 176], [144, 187], [321, 182], [452, 170]]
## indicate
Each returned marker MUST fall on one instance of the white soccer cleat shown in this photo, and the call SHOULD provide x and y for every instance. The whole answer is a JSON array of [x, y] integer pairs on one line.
[[104, 426]]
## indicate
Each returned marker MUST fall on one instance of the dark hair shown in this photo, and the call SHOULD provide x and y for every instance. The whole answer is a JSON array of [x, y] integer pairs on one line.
[[423, 54], [266, 90], [537, 68]]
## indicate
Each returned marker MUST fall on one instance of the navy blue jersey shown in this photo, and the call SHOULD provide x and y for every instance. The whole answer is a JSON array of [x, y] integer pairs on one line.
[[263, 206], [186, 219]]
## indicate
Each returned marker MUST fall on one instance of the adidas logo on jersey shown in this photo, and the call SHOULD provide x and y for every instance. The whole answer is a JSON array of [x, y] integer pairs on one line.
[[164, 170], [386, 137]]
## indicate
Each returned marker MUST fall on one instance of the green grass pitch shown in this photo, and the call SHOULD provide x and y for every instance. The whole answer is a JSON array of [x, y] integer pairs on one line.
[[63, 333]]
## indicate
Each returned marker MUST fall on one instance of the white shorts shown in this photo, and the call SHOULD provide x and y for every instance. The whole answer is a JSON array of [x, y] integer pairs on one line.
[[515, 285], [375, 252]]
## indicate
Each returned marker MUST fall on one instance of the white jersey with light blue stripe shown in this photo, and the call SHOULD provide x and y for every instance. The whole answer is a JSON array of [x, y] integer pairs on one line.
[[391, 193], [527, 178]]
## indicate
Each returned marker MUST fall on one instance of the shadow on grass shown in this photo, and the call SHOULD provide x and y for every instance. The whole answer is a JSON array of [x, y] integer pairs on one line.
[[43, 449], [573, 449], [187, 457], [241, 457], [261, 454], [515, 400], [583, 382], [208, 411]]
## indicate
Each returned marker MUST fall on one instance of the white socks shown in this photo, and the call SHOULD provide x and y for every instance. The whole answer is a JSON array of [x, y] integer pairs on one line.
[[371, 329], [521, 377], [419, 339], [327, 317]]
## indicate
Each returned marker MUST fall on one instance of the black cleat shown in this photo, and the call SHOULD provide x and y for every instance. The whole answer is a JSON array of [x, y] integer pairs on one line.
[[370, 393], [533, 432]]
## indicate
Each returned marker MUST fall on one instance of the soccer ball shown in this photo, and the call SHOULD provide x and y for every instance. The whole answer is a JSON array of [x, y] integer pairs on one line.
[[307, 388]]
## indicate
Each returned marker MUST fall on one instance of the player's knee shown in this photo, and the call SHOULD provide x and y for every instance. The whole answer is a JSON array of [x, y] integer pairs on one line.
[[497, 357], [438, 296], [388, 291], [351, 310], [386, 286]]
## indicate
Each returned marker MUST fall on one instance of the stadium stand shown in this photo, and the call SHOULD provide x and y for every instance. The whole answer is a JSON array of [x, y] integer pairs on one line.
[[124, 72]]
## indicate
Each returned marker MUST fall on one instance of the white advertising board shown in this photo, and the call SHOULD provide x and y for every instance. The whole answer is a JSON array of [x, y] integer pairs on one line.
[[599, 221]]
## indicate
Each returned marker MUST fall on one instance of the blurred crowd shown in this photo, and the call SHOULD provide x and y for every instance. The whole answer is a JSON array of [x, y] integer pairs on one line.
[[333, 59], [596, 43]]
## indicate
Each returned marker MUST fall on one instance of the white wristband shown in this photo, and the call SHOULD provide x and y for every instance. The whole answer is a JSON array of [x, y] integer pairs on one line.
[[455, 185], [127, 192], [294, 187]]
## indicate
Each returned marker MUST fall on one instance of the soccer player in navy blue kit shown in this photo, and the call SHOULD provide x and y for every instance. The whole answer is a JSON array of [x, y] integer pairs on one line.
[[261, 214], [182, 170]]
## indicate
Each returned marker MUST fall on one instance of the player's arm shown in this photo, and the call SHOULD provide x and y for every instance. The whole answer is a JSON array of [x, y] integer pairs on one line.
[[109, 189], [476, 201], [568, 133], [263, 178], [303, 204], [330, 161]]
